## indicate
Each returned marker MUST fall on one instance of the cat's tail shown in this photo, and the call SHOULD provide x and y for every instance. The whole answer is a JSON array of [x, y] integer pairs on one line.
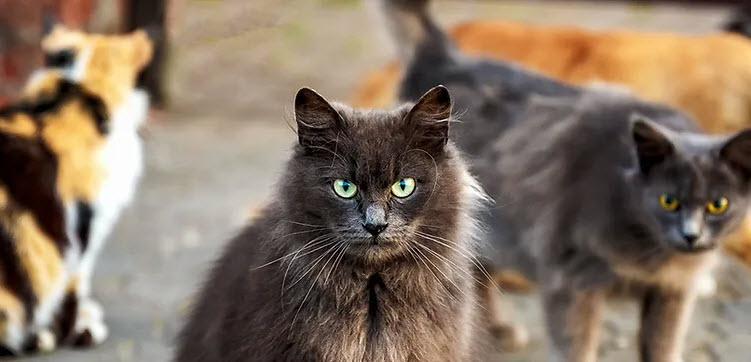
[[413, 29], [739, 21]]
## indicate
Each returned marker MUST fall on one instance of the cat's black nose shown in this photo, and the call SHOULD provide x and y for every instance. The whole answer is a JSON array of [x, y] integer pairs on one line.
[[690, 238], [374, 229]]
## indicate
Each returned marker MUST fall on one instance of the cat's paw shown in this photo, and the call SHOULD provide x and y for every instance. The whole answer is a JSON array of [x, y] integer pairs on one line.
[[89, 329], [511, 336], [46, 341]]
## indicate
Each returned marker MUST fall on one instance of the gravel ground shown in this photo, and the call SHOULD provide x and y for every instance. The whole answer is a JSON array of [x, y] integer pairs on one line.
[[214, 156]]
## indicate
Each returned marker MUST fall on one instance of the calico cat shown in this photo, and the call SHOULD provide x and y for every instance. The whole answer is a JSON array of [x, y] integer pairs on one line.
[[602, 189], [81, 112], [366, 254]]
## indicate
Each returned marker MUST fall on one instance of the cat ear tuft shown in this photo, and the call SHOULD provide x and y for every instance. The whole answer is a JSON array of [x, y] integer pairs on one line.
[[429, 118], [317, 121], [737, 152], [652, 143]]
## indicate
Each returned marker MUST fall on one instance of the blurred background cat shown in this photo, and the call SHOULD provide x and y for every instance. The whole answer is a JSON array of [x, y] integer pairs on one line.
[[84, 111]]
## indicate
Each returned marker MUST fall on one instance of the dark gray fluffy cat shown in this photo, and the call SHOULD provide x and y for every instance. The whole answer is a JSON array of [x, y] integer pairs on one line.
[[595, 188], [366, 254]]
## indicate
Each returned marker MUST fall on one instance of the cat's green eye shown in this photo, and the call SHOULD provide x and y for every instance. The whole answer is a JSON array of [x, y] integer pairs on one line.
[[344, 188], [668, 202], [403, 187], [718, 206]]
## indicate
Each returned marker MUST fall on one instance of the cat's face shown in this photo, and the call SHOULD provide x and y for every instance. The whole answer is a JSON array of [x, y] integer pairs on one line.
[[374, 180], [694, 186]]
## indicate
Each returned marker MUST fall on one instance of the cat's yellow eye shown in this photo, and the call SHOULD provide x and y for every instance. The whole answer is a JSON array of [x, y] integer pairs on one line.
[[344, 188], [403, 187], [668, 202], [718, 206]]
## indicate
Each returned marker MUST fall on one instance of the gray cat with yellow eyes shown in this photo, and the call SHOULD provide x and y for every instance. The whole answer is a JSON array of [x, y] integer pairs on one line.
[[596, 188]]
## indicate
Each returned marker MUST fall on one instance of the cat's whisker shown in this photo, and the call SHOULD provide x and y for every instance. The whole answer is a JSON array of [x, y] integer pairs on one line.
[[307, 245], [314, 263], [337, 261], [435, 165], [330, 151], [439, 270], [451, 263], [417, 256], [471, 257], [302, 223], [302, 232], [313, 284], [452, 282], [327, 243]]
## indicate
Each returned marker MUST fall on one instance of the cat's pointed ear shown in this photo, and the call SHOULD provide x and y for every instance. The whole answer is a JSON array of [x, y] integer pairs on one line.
[[429, 118], [653, 146], [737, 152], [317, 121]]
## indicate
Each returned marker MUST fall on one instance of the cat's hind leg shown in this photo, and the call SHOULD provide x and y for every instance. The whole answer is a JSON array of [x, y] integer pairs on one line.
[[511, 335], [13, 328]]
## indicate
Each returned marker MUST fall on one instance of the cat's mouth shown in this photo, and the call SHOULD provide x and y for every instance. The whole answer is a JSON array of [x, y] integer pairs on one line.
[[693, 249]]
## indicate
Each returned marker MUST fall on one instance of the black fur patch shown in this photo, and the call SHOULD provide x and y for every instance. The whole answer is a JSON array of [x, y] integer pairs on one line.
[[31, 344], [66, 316], [84, 214], [84, 339], [60, 59], [375, 282], [5, 352], [28, 170], [15, 278], [51, 102]]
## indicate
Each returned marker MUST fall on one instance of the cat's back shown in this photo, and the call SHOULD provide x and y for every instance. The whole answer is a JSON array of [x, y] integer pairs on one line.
[[565, 151]]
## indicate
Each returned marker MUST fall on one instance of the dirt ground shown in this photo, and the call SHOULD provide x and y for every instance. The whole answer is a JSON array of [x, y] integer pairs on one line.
[[212, 158]]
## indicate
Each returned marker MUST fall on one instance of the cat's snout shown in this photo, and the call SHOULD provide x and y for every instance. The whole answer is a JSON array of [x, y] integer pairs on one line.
[[691, 238], [375, 219], [375, 229]]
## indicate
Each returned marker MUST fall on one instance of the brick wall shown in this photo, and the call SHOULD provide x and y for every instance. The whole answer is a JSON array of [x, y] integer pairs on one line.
[[21, 29]]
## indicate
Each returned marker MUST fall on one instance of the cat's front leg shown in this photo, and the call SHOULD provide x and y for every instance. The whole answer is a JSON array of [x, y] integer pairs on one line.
[[89, 328], [664, 320], [573, 322]]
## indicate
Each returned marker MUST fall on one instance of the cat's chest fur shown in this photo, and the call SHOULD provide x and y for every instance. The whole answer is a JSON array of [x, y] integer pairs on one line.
[[386, 316], [673, 272]]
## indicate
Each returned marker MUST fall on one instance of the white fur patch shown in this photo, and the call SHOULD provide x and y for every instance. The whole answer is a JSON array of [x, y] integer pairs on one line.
[[706, 286], [14, 333], [122, 159], [46, 341], [90, 318], [76, 72]]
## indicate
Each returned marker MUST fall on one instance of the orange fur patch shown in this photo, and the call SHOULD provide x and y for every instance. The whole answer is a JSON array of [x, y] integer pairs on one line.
[[18, 124], [72, 135], [114, 60], [37, 254]]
